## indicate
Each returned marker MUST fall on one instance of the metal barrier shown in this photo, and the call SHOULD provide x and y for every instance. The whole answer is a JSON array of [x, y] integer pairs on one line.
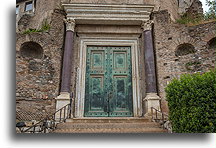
[[49, 124], [159, 116]]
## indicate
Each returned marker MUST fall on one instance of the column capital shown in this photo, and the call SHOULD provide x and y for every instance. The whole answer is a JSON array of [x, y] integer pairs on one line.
[[147, 25], [70, 24]]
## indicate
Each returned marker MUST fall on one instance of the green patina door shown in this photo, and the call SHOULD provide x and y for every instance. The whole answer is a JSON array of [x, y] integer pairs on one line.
[[108, 88]]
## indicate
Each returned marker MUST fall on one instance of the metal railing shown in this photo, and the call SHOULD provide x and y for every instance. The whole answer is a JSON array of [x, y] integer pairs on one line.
[[159, 116], [49, 124]]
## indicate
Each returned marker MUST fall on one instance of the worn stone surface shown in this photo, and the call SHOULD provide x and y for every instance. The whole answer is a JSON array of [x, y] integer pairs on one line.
[[139, 125], [34, 110], [42, 10], [40, 77], [168, 36], [171, 5], [194, 6]]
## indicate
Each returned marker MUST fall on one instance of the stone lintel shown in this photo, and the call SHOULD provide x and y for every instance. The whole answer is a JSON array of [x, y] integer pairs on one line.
[[112, 14]]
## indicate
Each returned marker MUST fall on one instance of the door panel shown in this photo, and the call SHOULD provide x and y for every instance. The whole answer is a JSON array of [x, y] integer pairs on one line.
[[121, 100], [108, 90], [95, 96]]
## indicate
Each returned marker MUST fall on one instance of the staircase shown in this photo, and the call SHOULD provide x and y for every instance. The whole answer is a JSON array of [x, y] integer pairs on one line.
[[64, 124], [111, 125]]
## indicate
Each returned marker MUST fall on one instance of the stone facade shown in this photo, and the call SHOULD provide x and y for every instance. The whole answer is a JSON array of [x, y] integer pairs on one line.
[[39, 78], [185, 5], [38, 74], [42, 10], [168, 38], [170, 5]]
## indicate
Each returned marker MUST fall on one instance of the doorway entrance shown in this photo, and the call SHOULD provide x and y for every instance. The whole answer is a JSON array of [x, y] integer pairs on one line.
[[108, 82]]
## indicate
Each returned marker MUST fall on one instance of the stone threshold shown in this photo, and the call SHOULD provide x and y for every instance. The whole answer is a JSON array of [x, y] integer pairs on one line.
[[110, 118]]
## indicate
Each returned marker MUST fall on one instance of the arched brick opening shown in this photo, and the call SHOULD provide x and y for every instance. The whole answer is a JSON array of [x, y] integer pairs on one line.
[[31, 50], [212, 43], [184, 49]]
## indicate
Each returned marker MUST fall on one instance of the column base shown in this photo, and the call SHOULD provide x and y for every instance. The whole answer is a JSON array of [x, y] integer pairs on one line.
[[62, 100], [151, 100]]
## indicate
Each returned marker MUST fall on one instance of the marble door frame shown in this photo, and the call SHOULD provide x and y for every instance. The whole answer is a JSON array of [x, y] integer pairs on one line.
[[81, 71]]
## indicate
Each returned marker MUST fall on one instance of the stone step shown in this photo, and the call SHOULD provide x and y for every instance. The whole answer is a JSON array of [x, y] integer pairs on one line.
[[107, 125], [110, 120], [145, 127], [112, 130]]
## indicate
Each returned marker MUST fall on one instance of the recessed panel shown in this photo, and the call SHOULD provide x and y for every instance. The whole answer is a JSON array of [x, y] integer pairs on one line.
[[120, 93], [96, 93], [97, 60], [120, 60]]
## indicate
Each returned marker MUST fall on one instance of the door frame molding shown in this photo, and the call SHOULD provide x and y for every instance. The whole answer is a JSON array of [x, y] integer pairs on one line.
[[81, 71]]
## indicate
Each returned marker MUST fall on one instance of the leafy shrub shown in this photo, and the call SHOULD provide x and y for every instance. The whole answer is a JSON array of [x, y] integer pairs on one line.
[[192, 103]]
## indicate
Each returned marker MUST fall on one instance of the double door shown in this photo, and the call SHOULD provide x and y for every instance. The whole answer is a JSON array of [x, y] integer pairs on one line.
[[108, 84]]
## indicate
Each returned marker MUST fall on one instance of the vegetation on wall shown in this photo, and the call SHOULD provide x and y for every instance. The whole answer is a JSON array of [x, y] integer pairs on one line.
[[192, 65], [44, 27], [185, 19], [210, 15], [192, 103]]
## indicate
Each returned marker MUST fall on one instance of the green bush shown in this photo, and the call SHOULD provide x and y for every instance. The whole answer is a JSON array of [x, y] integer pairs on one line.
[[192, 103]]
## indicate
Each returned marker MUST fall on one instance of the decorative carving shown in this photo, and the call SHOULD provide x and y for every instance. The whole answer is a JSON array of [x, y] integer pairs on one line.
[[147, 25], [127, 14], [70, 24]]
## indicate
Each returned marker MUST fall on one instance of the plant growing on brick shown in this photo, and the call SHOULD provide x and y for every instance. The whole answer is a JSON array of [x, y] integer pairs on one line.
[[192, 103], [44, 28], [193, 65]]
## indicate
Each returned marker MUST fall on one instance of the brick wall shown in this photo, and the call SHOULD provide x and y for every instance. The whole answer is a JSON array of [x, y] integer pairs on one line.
[[168, 37], [40, 77]]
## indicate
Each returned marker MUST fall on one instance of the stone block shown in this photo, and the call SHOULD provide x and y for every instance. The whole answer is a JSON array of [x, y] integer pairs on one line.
[[152, 100]]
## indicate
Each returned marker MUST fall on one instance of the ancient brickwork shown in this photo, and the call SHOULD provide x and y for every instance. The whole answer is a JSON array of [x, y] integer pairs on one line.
[[42, 11], [35, 109], [190, 6], [178, 49], [39, 78], [181, 49]]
